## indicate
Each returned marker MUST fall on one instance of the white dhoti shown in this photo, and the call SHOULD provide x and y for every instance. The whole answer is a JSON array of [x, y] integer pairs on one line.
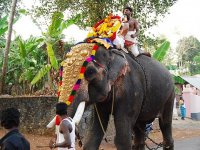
[[119, 41], [131, 43]]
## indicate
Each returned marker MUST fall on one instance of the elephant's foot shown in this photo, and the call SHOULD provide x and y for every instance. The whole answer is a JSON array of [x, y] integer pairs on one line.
[[168, 146]]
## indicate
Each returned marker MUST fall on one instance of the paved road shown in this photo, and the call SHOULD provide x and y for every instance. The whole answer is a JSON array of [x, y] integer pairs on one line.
[[187, 144]]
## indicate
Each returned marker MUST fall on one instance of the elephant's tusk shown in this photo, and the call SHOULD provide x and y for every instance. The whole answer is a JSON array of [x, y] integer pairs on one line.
[[79, 113], [52, 123]]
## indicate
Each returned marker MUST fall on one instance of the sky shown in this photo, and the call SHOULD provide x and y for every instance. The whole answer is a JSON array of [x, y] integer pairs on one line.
[[183, 21]]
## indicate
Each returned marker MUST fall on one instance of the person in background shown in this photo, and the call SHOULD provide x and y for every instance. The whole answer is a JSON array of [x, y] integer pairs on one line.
[[13, 140], [182, 108]]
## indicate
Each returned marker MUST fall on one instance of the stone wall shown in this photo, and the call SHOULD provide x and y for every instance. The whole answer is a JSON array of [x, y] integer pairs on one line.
[[36, 112]]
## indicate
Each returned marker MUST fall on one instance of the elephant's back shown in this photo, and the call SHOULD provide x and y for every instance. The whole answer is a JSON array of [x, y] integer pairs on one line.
[[153, 69], [159, 84], [157, 75]]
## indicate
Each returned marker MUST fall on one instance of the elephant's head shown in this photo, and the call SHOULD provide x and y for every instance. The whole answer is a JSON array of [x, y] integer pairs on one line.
[[100, 74], [107, 67]]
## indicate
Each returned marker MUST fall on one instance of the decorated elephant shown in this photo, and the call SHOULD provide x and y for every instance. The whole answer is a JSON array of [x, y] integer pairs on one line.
[[134, 90]]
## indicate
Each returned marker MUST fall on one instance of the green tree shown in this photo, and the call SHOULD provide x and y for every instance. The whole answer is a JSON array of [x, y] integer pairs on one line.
[[187, 49], [195, 65], [148, 13], [5, 7]]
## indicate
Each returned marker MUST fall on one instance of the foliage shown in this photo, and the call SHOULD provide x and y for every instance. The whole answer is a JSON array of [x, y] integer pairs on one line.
[[178, 80], [25, 58], [195, 65], [28, 59], [3, 29], [3, 25], [148, 13], [5, 6], [51, 38], [177, 90], [160, 53], [53, 60], [41, 73], [188, 53]]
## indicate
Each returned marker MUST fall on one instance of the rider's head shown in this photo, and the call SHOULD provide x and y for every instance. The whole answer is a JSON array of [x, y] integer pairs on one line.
[[127, 10]]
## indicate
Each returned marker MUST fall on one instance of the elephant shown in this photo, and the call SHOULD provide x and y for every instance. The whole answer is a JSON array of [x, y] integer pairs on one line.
[[138, 89]]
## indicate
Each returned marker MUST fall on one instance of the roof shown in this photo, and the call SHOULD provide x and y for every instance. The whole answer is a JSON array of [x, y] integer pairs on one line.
[[193, 80]]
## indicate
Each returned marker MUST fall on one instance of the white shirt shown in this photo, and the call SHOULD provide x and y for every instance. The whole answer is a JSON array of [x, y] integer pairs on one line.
[[72, 135]]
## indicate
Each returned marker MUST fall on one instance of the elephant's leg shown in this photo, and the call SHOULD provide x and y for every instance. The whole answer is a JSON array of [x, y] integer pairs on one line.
[[139, 138], [123, 132], [95, 133], [165, 122]]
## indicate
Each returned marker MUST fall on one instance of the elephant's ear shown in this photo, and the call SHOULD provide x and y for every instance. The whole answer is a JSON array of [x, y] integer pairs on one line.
[[118, 65]]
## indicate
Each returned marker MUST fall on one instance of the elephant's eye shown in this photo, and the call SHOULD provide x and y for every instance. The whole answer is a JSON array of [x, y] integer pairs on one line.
[[90, 73]]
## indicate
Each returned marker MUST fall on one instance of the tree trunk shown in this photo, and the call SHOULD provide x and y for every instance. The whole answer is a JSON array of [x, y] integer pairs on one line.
[[5, 59]]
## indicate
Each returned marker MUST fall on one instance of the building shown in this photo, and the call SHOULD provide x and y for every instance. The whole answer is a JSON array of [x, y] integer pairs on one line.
[[191, 96]]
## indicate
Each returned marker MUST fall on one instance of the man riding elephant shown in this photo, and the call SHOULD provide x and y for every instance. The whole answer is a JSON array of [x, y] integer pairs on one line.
[[131, 36]]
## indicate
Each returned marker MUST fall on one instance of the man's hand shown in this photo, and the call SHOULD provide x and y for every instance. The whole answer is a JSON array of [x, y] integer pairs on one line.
[[51, 144], [80, 144]]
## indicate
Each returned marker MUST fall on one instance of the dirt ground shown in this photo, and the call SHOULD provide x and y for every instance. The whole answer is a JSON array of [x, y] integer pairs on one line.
[[181, 129]]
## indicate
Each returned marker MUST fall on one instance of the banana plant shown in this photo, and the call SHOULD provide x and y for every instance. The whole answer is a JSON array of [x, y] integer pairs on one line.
[[25, 58], [31, 56], [3, 25], [161, 52], [53, 34]]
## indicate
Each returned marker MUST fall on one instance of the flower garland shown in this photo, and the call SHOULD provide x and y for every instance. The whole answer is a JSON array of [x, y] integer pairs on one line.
[[81, 76], [106, 28]]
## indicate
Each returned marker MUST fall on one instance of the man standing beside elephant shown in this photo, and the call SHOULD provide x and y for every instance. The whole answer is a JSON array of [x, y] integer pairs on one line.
[[131, 36], [67, 130]]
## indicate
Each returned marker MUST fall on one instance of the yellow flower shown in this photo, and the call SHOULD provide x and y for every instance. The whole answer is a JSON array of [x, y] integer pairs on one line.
[[106, 20]]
